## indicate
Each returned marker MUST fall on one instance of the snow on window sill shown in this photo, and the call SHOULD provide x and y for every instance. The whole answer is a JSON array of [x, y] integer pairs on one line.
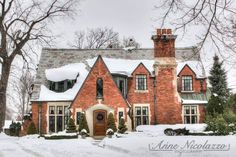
[[141, 91], [190, 91]]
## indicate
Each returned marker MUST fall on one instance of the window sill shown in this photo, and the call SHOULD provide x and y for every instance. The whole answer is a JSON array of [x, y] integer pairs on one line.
[[141, 91], [187, 91]]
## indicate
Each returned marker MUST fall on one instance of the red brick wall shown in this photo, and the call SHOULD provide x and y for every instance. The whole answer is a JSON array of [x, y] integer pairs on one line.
[[35, 116], [168, 108], [136, 97], [186, 71], [111, 94], [202, 112]]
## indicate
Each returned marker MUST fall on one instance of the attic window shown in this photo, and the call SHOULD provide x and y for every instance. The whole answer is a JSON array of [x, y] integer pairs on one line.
[[99, 88], [141, 82], [187, 83]]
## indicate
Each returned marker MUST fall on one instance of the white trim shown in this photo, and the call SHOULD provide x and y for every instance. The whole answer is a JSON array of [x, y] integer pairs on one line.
[[198, 113], [142, 105]]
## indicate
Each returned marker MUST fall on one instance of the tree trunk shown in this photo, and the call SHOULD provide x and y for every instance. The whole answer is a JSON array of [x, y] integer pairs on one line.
[[3, 91]]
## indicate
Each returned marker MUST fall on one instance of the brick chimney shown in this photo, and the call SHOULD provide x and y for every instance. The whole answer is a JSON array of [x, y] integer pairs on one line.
[[168, 103]]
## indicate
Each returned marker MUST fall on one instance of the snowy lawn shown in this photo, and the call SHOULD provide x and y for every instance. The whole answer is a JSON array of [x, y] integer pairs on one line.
[[149, 141]]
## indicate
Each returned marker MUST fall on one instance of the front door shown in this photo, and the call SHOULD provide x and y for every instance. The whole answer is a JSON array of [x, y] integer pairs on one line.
[[99, 122]]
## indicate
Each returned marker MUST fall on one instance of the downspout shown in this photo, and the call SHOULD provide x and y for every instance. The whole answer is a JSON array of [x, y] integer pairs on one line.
[[155, 100], [39, 117]]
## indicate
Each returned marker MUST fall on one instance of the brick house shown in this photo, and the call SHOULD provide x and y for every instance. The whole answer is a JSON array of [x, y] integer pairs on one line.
[[164, 85]]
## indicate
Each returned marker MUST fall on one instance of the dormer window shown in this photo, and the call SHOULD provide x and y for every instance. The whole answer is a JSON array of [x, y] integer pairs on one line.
[[99, 88], [187, 83], [61, 86], [141, 82]]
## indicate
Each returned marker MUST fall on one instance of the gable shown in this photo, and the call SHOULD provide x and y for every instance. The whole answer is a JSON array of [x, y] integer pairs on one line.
[[86, 96], [186, 70], [141, 68]]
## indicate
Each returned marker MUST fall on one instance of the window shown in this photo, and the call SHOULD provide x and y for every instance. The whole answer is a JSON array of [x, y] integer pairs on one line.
[[121, 82], [141, 115], [187, 83], [190, 114], [61, 86], [99, 88], [121, 114], [141, 82], [78, 114], [57, 118]]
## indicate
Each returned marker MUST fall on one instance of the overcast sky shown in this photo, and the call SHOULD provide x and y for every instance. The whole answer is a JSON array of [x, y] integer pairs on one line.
[[136, 18]]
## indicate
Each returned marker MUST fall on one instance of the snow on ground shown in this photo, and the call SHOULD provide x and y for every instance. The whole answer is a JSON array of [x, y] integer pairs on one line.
[[31, 146], [150, 142], [158, 130]]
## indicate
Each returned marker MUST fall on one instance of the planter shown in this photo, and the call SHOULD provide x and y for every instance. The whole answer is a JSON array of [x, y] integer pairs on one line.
[[109, 136], [83, 136]]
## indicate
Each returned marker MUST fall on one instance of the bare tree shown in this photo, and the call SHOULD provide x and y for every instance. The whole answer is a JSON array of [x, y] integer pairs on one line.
[[23, 87], [100, 38], [97, 38], [130, 42], [215, 20], [22, 24]]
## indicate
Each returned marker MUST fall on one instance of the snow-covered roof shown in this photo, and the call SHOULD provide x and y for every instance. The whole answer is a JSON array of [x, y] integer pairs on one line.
[[195, 65], [123, 66], [115, 66], [67, 72], [192, 102], [61, 64]]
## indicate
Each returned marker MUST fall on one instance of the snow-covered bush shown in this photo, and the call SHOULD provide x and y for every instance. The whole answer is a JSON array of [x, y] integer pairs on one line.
[[83, 124], [15, 128], [109, 132], [83, 132]]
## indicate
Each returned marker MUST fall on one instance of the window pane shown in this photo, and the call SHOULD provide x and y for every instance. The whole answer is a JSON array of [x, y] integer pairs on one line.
[[187, 119], [138, 111], [141, 82], [78, 117], [99, 88], [51, 110], [194, 110], [145, 111], [194, 119], [145, 120], [187, 83], [137, 121], [186, 110], [52, 123], [121, 114], [59, 123], [59, 110], [61, 86]]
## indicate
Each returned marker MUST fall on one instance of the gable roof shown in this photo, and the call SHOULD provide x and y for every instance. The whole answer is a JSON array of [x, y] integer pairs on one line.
[[92, 69], [194, 65], [141, 64]]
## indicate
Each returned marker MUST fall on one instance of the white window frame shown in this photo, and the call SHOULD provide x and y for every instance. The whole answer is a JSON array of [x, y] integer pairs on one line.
[[190, 113], [56, 115], [183, 83], [141, 76], [134, 113]]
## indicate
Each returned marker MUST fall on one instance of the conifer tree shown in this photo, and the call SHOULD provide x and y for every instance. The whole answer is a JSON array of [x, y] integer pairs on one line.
[[122, 127], [31, 129], [111, 122], [219, 88], [83, 124], [71, 126]]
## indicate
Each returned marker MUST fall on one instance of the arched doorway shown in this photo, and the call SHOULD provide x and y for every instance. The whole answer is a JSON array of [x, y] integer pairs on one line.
[[99, 122]]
